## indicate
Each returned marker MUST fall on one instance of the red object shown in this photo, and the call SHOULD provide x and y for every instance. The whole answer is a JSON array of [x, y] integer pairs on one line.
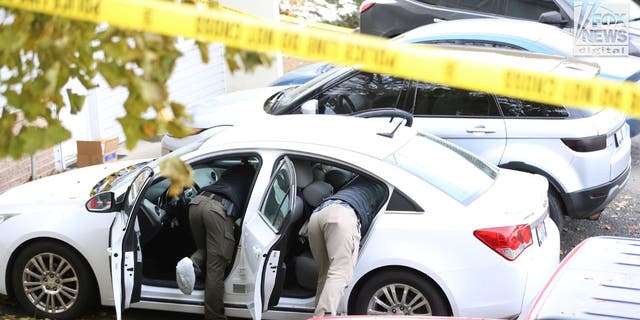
[[366, 5], [508, 241]]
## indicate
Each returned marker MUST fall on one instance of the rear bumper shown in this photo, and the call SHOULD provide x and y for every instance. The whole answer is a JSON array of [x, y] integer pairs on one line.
[[584, 203]]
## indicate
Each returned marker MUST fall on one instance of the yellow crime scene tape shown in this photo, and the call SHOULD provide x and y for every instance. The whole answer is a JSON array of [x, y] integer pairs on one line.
[[368, 53]]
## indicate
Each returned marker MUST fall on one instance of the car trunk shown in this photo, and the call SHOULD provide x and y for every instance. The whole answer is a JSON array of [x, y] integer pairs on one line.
[[521, 205], [612, 123], [526, 205]]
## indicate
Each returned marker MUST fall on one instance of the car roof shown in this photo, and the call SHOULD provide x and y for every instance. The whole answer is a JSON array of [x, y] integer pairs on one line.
[[536, 62], [541, 62], [349, 133], [534, 32], [529, 35]]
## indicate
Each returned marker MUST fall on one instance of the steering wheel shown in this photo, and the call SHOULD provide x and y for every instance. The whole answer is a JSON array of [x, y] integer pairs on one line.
[[345, 102], [181, 201]]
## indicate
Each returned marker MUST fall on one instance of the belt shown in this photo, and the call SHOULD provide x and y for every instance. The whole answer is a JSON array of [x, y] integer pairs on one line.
[[228, 206], [330, 202]]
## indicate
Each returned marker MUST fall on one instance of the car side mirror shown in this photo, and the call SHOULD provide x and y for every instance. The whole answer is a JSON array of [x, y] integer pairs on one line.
[[552, 17], [102, 202], [310, 107]]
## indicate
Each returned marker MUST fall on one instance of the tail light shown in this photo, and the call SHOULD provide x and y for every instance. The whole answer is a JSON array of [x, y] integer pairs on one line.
[[366, 5], [509, 241], [587, 144]]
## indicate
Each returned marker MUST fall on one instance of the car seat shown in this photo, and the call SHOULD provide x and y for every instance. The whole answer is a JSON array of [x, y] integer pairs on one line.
[[337, 177], [305, 267]]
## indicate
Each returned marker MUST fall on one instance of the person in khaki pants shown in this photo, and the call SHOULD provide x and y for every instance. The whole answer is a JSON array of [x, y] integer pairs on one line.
[[212, 216], [334, 231]]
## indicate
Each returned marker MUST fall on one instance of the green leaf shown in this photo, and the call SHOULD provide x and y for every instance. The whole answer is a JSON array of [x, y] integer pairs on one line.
[[76, 101], [179, 174], [13, 98], [204, 51], [11, 39], [178, 129], [51, 77], [150, 91], [112, 74], [42, 53]]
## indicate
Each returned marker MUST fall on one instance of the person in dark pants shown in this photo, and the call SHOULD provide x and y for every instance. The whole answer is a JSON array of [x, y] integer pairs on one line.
[[212, 216], [334, 231]]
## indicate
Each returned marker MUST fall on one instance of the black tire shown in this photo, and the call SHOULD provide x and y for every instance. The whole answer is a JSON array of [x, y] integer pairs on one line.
[[398, 280], [51, 281], [555, 209]]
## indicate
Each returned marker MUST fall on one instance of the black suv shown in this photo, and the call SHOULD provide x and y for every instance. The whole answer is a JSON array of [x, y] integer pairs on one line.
[[389, 18]]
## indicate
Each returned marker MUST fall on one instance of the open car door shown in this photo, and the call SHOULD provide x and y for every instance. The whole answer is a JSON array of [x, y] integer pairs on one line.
[[124, 246], [263, 230]]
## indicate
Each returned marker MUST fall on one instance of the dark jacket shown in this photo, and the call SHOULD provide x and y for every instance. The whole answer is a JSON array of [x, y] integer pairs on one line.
[[234, 184], [365, 197]]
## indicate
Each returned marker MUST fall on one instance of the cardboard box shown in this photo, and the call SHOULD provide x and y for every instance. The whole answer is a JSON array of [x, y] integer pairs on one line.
[[96, 151]]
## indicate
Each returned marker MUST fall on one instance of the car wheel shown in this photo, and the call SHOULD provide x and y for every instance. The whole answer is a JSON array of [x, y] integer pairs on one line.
[[400, 293], [51, 281], [555, 209]]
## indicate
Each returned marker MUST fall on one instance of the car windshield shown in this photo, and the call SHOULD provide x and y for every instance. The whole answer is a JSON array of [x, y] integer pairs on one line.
[[121, 179], [445, 166], [286, 99]]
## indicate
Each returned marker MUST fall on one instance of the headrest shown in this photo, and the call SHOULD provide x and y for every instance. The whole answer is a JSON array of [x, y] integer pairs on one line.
[[304, 173], [316, 192], [337, 177], [297, 209], [318, 172]]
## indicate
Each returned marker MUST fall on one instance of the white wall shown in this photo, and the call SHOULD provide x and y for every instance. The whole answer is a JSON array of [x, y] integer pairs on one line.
[[262, 76]]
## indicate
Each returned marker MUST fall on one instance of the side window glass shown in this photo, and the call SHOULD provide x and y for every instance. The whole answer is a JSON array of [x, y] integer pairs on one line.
[[529, 9], [400, 202], [437, 100], [516, 108], [488, 6], [276, 205], [363, 91], [476, 43]]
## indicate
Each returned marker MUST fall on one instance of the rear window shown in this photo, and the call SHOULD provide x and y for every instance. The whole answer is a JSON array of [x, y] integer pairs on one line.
[[488, 6], [446, 166], [516, 108]]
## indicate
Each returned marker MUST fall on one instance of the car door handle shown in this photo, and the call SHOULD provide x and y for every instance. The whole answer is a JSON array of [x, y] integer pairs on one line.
[[257, 251], [480, 129]]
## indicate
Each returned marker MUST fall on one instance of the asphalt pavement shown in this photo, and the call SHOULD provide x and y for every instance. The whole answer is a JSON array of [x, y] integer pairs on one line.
[[621, 217]]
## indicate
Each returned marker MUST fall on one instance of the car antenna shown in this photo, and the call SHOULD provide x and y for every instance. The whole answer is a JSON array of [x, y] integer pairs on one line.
[[390, 134], [387, 112]]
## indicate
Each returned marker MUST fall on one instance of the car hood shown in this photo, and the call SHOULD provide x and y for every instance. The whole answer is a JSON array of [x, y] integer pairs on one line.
[[228, 109], [70, 188]]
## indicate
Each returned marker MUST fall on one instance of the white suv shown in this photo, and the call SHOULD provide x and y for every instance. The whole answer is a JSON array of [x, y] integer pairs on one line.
[[585, 155]]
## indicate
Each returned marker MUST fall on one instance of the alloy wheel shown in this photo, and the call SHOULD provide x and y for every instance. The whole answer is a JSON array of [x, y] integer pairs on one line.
[[50, 283], [399, 299]]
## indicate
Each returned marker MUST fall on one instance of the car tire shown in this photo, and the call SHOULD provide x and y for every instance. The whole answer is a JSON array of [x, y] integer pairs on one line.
[[555, 209], [51, 281], [375, 296]]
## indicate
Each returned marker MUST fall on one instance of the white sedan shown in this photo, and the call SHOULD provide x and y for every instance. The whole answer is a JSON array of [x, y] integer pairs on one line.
[[456, 236]]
